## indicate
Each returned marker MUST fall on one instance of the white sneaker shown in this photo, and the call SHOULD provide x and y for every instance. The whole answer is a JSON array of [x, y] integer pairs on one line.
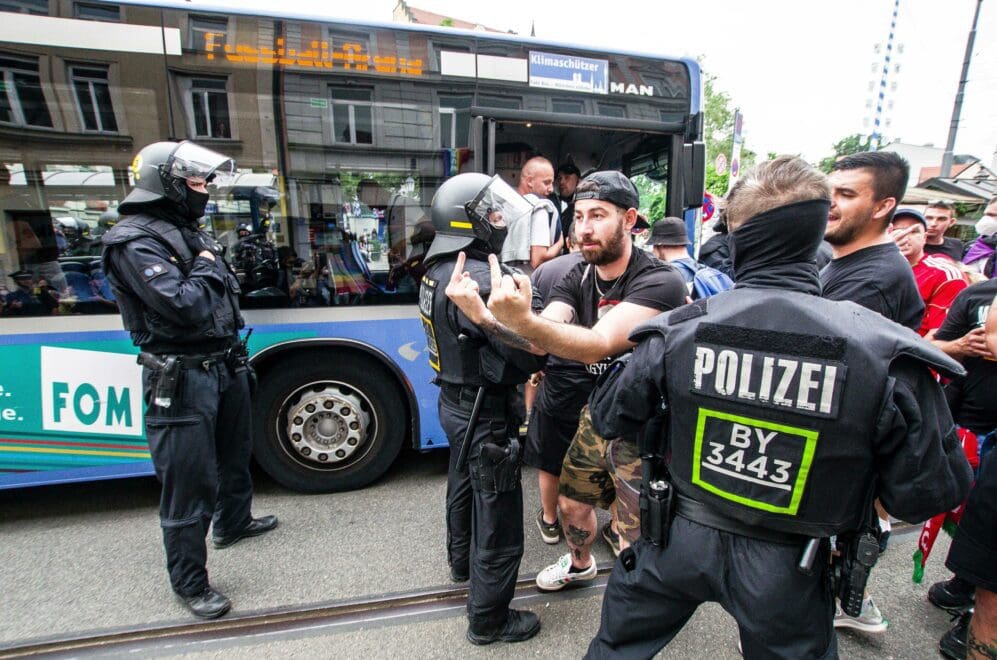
[[559, 575], [869, 620]]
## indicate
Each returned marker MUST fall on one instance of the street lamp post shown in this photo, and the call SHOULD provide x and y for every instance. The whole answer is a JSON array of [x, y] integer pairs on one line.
[[957, 106]]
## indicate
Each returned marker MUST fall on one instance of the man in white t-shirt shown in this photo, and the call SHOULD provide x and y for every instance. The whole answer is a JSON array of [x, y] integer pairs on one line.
[[530, 244]]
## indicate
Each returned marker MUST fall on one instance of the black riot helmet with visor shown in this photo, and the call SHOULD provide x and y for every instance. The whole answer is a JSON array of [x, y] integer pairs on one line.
[[162, 170], [474, 206]]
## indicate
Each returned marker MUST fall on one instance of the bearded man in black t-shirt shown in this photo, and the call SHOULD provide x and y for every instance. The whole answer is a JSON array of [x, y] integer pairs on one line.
[[588, 318]]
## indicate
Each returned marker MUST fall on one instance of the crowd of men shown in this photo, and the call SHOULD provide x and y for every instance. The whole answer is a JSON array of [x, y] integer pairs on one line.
[[766, 411], [624, 331]]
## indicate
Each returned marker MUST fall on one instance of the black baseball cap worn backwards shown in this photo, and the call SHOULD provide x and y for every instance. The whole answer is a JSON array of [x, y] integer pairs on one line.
[[609, 186]]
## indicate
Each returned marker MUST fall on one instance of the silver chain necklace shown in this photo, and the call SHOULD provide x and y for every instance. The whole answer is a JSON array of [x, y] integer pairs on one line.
[[595, 279]]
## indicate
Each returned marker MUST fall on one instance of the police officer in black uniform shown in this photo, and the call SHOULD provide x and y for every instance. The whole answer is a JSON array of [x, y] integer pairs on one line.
[[783, 416], [179, 299], [477, 375]]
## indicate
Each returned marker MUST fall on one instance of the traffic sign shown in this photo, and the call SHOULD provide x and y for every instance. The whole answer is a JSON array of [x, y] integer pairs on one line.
[[720, 164], [709, 206]]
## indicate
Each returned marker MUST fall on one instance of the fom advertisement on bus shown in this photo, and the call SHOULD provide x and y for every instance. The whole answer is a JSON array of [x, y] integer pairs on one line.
[[70, 405]]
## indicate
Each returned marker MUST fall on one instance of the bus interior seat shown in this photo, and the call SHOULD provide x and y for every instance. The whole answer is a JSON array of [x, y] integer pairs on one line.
[[72, 267], [79, 285], [364, 268]]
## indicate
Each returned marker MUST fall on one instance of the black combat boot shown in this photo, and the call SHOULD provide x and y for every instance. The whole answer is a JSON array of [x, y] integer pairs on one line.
[[255, 527], [953, 643], [519, 626], [209, 604], [955, 595]]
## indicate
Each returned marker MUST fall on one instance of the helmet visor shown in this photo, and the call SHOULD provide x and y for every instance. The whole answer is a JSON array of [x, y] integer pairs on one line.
[[191, 161], [499, 205]]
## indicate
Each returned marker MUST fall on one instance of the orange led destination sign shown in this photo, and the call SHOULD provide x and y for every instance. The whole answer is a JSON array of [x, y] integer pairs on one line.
[[350, 56]]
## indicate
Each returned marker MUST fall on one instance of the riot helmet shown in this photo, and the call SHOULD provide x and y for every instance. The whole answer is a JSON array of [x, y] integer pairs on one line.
[[108, 219], [474, 206], [161, 171]]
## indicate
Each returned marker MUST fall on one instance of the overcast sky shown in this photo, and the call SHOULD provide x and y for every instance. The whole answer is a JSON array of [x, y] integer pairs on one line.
[[799, 70]]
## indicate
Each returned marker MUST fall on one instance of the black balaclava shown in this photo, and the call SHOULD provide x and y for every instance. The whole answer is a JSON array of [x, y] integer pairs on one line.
[[778, 249], [496, 239], [196, 203]]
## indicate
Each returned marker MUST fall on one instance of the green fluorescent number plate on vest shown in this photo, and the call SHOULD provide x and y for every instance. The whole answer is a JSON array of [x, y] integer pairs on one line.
[[753, 462]]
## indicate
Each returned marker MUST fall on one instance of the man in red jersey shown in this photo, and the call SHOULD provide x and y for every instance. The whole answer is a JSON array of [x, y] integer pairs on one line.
[[939, 279]]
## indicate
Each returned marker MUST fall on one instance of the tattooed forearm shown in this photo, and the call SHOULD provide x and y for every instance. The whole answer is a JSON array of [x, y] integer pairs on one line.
[[979, 648], [492, 326]]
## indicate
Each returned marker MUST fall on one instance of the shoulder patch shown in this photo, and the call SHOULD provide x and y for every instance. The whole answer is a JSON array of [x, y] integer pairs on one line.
[[153, 271], [693, 310]]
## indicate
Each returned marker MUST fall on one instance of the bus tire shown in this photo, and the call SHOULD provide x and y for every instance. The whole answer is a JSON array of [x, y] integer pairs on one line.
[[327, 425]]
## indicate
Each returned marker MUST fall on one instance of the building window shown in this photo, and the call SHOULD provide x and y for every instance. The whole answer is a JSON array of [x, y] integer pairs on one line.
[[455, 121], [567, 105], [209, 107], [97, 12], [203, 26], [507, 102], [351, 115], [21, 99], [36, 7], [93, 98], [611, 110]]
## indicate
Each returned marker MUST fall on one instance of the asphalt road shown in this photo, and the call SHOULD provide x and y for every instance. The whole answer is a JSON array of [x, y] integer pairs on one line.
[[83, 558]]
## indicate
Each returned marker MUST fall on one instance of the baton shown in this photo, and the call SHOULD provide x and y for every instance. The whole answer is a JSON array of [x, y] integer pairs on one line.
[[479, 398]]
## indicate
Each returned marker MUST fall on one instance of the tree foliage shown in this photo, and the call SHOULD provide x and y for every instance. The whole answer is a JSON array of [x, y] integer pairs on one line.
[[851, 144], [718, 133], [652, 197]]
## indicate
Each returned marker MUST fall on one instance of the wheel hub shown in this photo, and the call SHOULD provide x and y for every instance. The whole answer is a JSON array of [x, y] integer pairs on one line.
[[327, 425]]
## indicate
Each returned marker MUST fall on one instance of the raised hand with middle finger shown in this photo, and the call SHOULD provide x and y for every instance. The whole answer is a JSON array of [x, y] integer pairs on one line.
[[464, 292], [511, 296]]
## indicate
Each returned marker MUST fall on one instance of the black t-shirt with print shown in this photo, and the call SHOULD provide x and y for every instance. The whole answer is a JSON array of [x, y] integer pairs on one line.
[[976, 406], [646, 282]]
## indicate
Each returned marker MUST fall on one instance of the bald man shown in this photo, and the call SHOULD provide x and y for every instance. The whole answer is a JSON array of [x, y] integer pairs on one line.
[[530, 244]]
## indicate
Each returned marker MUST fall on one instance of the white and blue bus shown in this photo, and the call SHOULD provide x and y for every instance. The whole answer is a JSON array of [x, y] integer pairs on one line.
[[341, 132]]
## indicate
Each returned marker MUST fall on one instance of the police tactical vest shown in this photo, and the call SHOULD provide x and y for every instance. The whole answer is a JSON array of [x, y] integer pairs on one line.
[[773, 398], [456, 360], [148, 328]]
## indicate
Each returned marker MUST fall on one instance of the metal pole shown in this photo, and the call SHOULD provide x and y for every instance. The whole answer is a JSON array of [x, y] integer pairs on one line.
[[957, 107], [877, 136]]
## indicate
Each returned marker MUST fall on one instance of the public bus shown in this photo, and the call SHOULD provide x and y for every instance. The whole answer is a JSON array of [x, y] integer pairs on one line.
[[341, 132]]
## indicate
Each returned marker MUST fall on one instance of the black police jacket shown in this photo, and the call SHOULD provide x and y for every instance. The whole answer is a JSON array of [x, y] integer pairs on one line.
[[793, 431], [171, 300], [459, 351]]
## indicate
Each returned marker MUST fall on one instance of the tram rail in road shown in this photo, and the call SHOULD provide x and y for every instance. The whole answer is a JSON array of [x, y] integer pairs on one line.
[[382, 609]]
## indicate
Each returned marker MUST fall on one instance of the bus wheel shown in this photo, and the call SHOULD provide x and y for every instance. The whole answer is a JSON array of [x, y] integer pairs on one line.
[[324, 426]]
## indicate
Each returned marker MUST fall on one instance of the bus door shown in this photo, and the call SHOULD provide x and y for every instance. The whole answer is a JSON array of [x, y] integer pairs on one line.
[[506, 139]]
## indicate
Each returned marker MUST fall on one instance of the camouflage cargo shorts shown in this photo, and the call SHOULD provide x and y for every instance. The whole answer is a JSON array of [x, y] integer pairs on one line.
[[603, 473]]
